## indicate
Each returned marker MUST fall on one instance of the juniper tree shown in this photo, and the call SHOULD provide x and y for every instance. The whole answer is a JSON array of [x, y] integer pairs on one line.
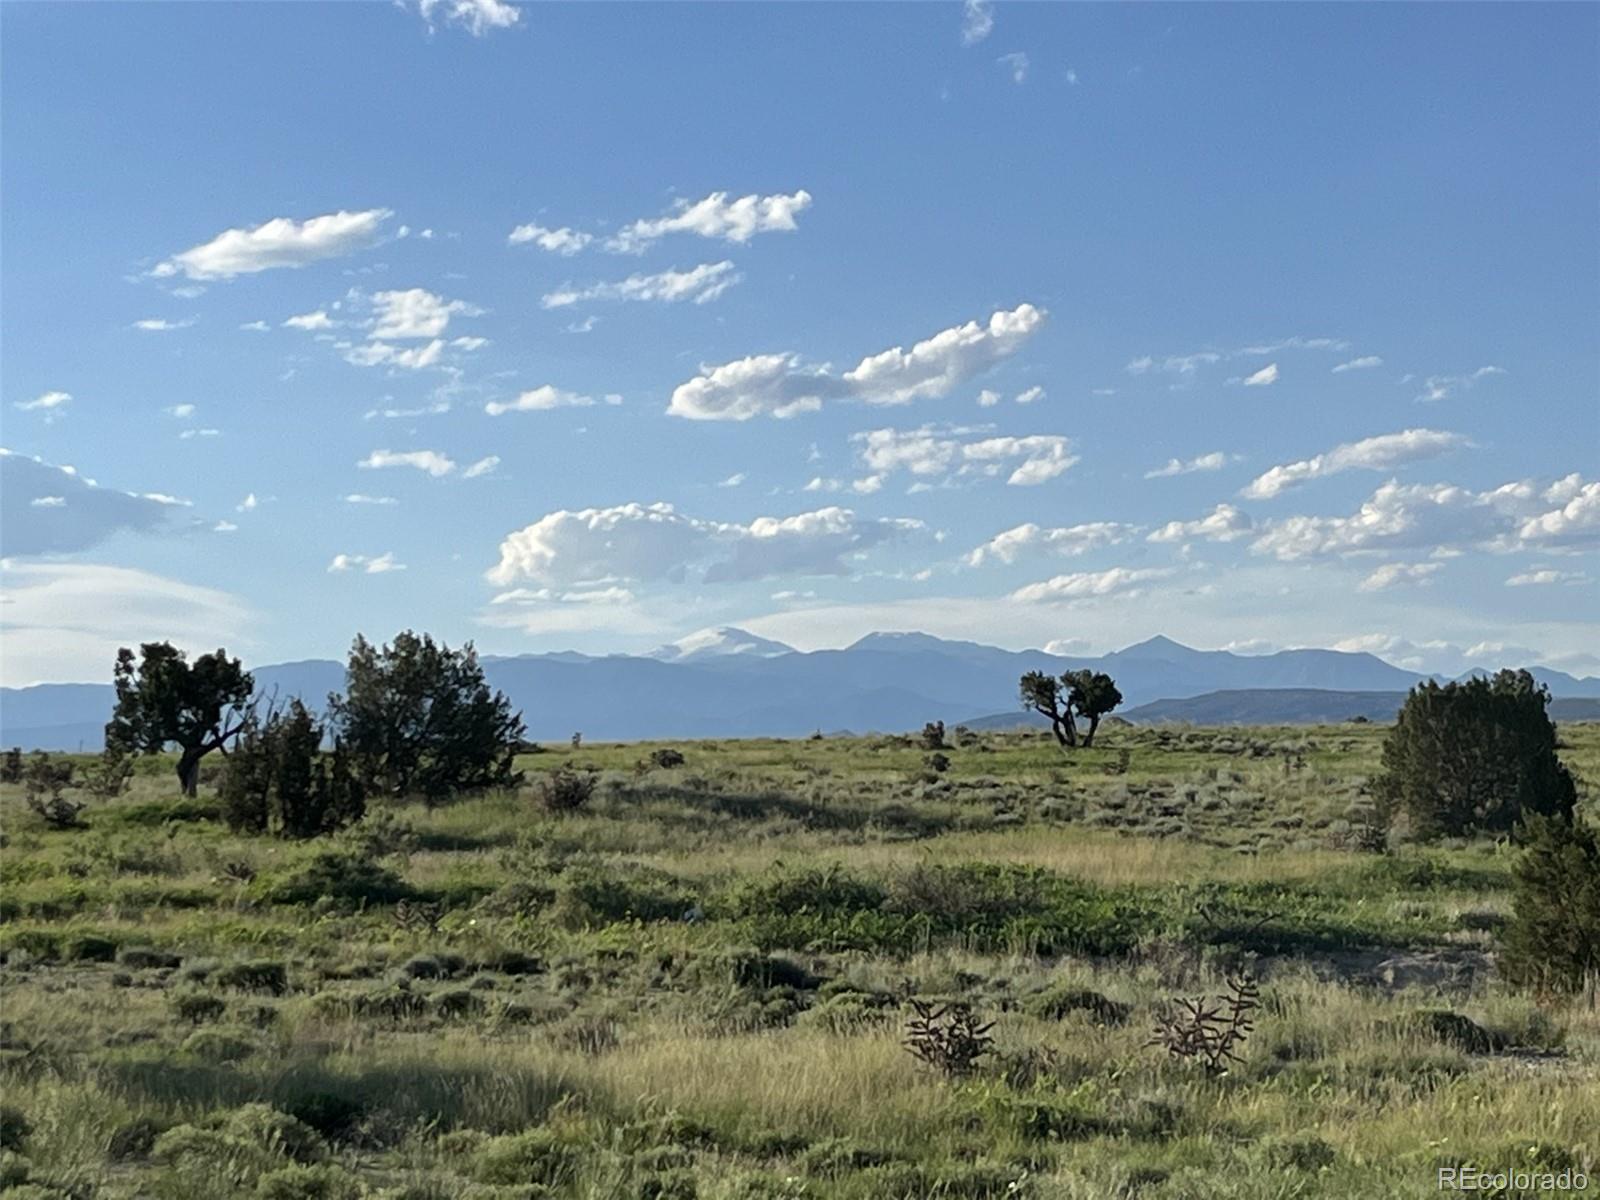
[[1087, 694], [1474, 757], [278, 779], [1552, 943], [418, 717], [163, 698]]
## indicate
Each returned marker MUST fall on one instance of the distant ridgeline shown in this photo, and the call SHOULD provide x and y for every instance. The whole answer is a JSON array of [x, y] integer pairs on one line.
[[729, 683]]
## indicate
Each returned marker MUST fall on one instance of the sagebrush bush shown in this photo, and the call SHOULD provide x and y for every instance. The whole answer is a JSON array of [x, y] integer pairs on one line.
[[566, 789]]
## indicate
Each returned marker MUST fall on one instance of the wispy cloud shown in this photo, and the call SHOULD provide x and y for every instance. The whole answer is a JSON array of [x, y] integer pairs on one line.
[[1214, 461], [1365, 363], [1395, 574], [546, 398], [1016, 65], [1380, 453], [977, 21], [700, 284], [1442, 387]]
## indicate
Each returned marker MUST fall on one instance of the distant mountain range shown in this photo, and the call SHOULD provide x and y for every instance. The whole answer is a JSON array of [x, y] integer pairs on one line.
[[730, 683], [1277, 706]]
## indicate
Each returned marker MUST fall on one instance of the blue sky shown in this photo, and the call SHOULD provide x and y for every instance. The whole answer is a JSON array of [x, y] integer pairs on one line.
[[1258, 326]]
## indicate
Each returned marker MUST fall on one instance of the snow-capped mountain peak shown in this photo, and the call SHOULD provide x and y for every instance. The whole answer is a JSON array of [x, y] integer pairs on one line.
[[721, 642]]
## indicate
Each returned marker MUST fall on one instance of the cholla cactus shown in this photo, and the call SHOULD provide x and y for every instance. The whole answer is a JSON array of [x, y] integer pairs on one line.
[[1210, 1032], [947, 1036]]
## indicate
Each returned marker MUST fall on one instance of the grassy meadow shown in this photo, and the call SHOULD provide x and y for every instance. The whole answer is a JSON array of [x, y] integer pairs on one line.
[[697, 985]]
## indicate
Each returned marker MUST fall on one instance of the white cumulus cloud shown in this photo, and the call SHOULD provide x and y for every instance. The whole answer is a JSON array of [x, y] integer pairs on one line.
[[717, 217], [782, 385], [379, 565], [565, 242], [654, 543], [280, 242], [1067, 540], [477, 17], [1224, 523], [414, 313], [431, 461]]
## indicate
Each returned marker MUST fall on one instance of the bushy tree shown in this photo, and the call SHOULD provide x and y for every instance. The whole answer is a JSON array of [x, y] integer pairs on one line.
[[1474, 757], [1091, 694], [163, 698], [418, 717], [933, 736], [278, 779], [1552, 943], [43, 781], [1087, 694]]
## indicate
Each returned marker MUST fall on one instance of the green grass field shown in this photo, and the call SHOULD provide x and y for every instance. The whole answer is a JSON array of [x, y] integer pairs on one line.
[[697, 985]]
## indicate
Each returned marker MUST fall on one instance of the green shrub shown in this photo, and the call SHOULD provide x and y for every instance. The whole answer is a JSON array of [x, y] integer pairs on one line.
[[456, 1002], [330, 1114], [197, 1007], [15, 1129], [276, 1132], [382, 1004], [322, 1182], [14, 1173], [88, 947], [1552, 942], [1301, 1153], [1057, 1002], [535, 1156], [133, 1139], [566, 789], [147, 958], [1453, 1029], [342, 876], [255, 975], [838, 1156], [217, 1045], [588, 897], [1475, 756]]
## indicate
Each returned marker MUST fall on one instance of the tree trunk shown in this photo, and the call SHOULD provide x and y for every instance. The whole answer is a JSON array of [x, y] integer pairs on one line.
[[1066, 733], [189, 770], [1088, 738]]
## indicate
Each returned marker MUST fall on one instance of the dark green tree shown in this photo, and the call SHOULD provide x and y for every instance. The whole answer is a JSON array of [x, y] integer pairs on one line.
[[1087, 694], [162, 698], [1042, 693], [279, 780], [418, 717], [1474, 757], [1091, 694], [1552, 942]]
